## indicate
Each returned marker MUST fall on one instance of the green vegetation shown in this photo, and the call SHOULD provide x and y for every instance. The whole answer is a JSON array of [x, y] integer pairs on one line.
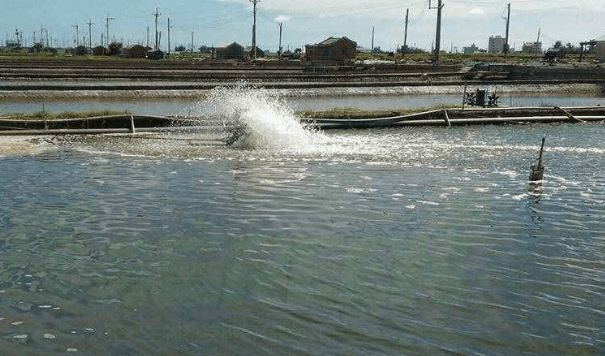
[[187, 57], [352, 113], [61, 116], [61, 56]]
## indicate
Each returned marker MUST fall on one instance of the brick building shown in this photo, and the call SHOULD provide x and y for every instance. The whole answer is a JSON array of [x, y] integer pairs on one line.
[[333, 49]]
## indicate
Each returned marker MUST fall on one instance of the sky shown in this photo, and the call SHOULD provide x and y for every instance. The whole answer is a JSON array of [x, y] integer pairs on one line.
[[217, 22]]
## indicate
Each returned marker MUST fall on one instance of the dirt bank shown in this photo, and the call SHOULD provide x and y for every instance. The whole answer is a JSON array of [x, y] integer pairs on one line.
[[24, 81], [299, 91]]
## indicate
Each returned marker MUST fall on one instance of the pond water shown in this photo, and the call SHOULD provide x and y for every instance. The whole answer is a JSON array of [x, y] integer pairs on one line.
[[365, 99], [415, 241]]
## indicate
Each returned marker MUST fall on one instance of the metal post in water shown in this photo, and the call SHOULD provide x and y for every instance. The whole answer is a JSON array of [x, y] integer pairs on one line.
[[132, 130], [537, 171]]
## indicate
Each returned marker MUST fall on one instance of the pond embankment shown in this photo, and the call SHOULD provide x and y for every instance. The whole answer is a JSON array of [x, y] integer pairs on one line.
[[131, 123], [149, 80]]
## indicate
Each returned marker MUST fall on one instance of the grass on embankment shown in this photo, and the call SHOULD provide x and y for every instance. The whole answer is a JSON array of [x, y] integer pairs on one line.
[[352, 113], [336, 113], [46, 116]]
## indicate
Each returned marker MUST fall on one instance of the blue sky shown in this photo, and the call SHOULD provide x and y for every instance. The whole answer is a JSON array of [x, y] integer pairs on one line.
[[214, 22]]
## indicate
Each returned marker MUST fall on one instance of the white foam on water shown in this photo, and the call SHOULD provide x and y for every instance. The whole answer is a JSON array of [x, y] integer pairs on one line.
[[269, 121]]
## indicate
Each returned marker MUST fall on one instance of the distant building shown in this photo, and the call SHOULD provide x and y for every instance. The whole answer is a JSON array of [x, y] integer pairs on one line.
[[259, 52], [230, 51], [532, 48], [333, 49], [496, 44], [471, 50], [98, 51], [600, 51], [11, 45], [80, 50], [136, 51]]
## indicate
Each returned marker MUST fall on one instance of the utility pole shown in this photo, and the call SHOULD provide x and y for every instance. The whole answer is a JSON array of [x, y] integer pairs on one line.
[[147, 38], [77, 35], [281, 25], [107, 36], [90, 23], [405, 34], [169, 36], [157, 14], [438, 32], [192, 43], [372, 39], [506, 46], [254, 29]]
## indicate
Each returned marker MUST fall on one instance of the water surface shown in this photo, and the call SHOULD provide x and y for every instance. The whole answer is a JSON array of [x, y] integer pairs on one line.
[[413, 241]]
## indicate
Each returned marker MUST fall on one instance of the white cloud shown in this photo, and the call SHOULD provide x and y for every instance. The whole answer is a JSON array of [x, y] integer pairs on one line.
[[477, 12], [340, 7], [283, 18], [327, 8]]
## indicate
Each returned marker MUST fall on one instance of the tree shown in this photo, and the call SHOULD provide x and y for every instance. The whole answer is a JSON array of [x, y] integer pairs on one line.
[[115, 49], [558, 44], [180, 48], [205, 49]]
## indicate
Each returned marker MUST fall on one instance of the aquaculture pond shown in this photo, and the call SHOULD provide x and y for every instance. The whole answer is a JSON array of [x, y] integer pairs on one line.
[[397, 241]]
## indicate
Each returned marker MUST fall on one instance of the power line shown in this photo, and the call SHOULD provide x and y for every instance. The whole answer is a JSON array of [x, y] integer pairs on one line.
[[281, 25], [107, 28], [506, 46], [157, 14], [77, 34], [169, 27], [405, 35], [254, 29], [90, 23], [438, 32]]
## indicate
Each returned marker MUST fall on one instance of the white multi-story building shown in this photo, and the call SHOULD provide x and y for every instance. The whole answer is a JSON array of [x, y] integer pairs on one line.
[[496, 44]]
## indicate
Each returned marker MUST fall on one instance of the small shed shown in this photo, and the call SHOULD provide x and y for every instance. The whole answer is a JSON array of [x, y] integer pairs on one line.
[[231, 51], [98, 51], [136, 51], [333, 49], [80, 50]]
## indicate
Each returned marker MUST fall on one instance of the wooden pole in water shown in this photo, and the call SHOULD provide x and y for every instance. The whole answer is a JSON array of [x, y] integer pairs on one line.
[[537, 171]]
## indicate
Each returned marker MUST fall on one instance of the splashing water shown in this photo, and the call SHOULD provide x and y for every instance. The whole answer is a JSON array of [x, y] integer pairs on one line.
[[268, 121]]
